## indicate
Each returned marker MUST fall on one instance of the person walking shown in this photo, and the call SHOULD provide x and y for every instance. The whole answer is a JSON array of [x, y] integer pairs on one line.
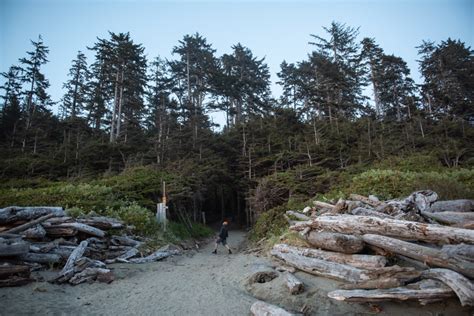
[[222, 238]]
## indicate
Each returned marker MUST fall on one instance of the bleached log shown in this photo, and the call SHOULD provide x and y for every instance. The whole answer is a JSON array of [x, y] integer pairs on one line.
[[335, 241], [37, 232], [124, 257], [369, 212], [365, 200], [260, 308], [339, 207], [41, 257], [424, 254], [452, 206], [461, 250], [379, 277], [463, 287], [58, 231], [88, 274], [124, 240], [298, 215], [294, 285], [102, 222], [353, 224], [323, 205], [32, 223], [12, 214], [68, 270], [13, 247], [357, 261], [156, 256], [423, 290], [450, 218], [84, 228]]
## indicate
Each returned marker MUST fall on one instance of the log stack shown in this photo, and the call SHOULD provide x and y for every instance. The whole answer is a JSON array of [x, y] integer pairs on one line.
[[415, 248], [38, 237]]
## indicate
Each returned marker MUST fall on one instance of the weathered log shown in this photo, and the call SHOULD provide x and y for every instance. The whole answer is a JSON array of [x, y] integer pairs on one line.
[[156, 256], [260, 308], [365, 200], [124, 240], [294, 285], [88, 274], [335, 242], [450, 218], [84, 228], [463, 287], [13, 247], [323, 205], [285, 269], [380, 276], [461, 250], [452, 206], [297, 215], [58, 231], [421, 199], [359, 225], [32, 223], [423, 290], [15, 281], [339, 207], [7, 271], [37, 232], [369, 212], [124, 257], [102, 222], [357, 261], [41, 257], [15, 213], [68, 270], [424, 254]]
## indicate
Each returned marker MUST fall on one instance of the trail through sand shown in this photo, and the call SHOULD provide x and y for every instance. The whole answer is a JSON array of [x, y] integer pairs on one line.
[[195, 283]]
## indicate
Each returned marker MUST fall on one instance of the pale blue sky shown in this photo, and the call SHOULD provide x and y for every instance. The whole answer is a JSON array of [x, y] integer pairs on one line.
[[276, 30]]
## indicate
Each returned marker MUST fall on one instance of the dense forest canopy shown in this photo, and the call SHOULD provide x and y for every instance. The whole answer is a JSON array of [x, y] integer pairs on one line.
[[123, 110]]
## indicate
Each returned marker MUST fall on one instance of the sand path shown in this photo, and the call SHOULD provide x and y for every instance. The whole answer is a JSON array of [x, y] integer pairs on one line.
[[197, 283]]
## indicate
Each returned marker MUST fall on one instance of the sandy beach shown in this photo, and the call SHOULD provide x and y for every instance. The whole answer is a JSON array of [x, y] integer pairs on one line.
[[195, 283]]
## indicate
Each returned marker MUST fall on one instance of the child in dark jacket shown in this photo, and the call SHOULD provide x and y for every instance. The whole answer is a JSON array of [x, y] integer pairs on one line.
[[223, 234]]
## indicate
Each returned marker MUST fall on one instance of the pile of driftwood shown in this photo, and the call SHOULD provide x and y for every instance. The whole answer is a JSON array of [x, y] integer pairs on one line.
[[32, 238], [411, 249]]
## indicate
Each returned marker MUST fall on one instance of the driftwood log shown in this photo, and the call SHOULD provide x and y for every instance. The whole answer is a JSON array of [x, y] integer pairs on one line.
[[422, 291], [84, 228], [369, 212], [32, 223], [68, 270], [357, 261], [374, 278], [260, 308], [13, 247], [450, 218], [13, 214], [335, 241], [424, 254], [297, 215], [462, 286], [452, 206], [156, 256], [294, 285], [359, 225]]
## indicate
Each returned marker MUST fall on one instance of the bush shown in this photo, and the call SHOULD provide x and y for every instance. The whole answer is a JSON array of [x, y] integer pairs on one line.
[[141, 218]]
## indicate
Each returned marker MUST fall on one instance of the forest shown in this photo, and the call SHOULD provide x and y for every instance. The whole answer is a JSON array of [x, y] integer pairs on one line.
[[351, 119]]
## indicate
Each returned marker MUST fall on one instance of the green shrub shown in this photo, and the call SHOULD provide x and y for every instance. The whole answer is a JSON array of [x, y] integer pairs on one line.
[[141, 218], [270, 223]]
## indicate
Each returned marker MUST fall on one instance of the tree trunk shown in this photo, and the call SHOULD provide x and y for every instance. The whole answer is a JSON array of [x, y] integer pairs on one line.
[[423, 290], [452, 206], [354, 224], [424, 254], [358, 261], [450, 218], [336, 242], [294, 285], [13, 247], [462, 286], [32, 223], [12, 214]]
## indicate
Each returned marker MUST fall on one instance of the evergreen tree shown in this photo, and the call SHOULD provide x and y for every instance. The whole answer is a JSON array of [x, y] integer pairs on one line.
[[448, 71], [10, 113], [372, 55], [74, 100]]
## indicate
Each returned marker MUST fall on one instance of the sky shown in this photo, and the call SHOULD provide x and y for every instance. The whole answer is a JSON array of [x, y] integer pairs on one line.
[[276, 30]]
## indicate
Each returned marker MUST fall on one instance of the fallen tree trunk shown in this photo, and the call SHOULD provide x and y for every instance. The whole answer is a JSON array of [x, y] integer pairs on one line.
[[422, 291], [32, 223], [463, 287], [360, 225], [365, 200], [37, 232], [13, 247], [260, 308], [298, 215], [16, 213], [15, 281], [377, 278], [335, 242], [68, 270], [450, 218], [7, 271], [452, 206], [102, 222], [58, 231], [41, 257], [461, 250], [357, 261], [84, 228], [368, 212], [156, 256], [89, 274], [424, 254], [294, 285]]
